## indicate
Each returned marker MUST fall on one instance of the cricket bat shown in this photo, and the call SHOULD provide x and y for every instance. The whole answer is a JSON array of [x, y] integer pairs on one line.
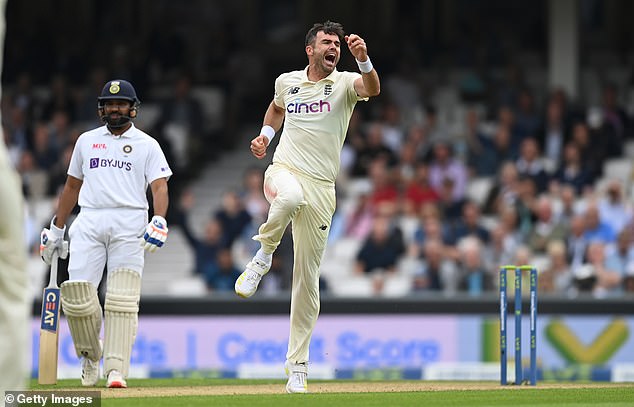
[[47, 368]]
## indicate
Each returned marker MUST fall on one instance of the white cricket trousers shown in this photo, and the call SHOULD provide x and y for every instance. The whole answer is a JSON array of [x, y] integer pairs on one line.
[[15, 296], [109, 236], [309, 205]]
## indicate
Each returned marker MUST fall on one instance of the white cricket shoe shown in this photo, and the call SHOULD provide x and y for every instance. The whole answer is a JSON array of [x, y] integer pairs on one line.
[[247, 283], [89, 372], [297, 377], [116, 380]]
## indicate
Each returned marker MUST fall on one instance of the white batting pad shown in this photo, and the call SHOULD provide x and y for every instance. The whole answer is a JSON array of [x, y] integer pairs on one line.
[[122, 309], [80, 304]]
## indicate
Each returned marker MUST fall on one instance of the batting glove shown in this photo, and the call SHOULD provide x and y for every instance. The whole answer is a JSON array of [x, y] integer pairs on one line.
[[53, 239], [155, 234]]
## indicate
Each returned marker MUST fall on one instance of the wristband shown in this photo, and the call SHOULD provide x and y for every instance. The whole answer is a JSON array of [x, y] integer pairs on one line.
[[365, 66], [268, 132]]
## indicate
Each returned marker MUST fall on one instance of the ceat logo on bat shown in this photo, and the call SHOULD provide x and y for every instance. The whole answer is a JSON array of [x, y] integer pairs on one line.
[[50, 309]]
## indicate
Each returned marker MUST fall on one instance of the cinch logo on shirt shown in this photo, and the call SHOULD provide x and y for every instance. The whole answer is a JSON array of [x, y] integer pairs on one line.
[[310, 107], [110, 163]]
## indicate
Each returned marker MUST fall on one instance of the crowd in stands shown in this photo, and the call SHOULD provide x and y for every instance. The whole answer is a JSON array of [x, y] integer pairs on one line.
[[407, 192]]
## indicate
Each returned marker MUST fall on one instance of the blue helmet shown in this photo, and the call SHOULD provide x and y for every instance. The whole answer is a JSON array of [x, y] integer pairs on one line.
[[118, 89]]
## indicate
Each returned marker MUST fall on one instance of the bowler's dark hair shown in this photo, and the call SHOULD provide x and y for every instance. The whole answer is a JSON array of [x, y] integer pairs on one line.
[[329, 27]]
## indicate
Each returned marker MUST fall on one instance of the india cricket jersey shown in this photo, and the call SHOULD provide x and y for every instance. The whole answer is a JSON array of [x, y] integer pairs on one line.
[[116, 170], [316, 121]]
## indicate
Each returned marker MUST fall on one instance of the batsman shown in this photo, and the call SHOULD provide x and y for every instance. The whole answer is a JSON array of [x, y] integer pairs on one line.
[[108, 176]]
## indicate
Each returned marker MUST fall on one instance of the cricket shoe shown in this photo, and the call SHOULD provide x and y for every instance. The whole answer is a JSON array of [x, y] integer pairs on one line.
[[116, 380], [247, 283], [297, 377], [89, 372]]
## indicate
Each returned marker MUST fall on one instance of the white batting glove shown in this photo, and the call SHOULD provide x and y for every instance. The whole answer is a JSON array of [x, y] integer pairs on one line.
[[155, 234], [53, 239]]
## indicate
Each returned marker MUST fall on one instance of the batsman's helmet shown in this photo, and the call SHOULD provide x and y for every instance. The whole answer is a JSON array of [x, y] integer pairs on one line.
[[118, 89]]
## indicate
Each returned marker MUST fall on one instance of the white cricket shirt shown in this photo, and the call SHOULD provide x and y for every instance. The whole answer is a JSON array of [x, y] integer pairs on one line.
[[316, 121], [116, 170]]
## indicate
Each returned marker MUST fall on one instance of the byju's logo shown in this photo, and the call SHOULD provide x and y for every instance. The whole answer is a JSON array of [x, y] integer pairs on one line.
[[110, 163], [310, 107]]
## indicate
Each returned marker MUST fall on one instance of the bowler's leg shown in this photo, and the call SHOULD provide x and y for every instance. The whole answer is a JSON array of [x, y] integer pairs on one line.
[[286, 196]]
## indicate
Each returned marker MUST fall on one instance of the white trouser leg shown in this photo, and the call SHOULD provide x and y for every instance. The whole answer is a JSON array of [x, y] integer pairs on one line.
[[311, 226], [284, 192]]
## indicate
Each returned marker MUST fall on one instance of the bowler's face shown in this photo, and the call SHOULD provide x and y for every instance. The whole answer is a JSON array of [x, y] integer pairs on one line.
[[326, 51]]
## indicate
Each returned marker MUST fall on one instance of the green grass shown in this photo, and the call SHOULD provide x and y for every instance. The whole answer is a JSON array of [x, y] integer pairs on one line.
[[466, 394]]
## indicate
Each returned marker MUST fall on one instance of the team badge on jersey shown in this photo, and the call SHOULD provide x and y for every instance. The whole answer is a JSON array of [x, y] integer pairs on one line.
[[127, 149]]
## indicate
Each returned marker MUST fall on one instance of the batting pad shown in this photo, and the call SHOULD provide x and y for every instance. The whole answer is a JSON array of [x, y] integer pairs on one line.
[[122, 309], [83, 313]]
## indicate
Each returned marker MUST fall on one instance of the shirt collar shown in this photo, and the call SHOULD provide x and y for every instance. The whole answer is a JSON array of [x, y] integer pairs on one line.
[[329, 78], [127, 134]]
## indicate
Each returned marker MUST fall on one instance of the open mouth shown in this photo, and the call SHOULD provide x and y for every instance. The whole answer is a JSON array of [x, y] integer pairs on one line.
[[331, 58]]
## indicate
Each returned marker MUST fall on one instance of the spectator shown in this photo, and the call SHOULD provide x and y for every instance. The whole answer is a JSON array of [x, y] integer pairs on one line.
[[621, 253], [557, 278], [437, 272], [616, 123], [482, 153], [546, 228], [596, 228], [222, 274], [591, 149], [469, 224], [205, 249], [505, 192], [393, 134], [597, 275], [474, 279], [500, 249], [358, 220], [554, 135], [527, 120], [380, 251], [614, 209], [444, 166], [233, 217], [419, 190], [253, 194], [374, 148], [576, 241], [182, 124], [572, 171], [384, 186], [44, 151], [568, 204], [531, 165]]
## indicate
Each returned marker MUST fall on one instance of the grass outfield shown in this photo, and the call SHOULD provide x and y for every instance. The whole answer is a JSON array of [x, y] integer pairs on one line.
[[348, 393]]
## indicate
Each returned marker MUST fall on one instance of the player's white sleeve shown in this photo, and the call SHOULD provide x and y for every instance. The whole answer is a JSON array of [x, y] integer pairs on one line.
[[75, 168], [157, 166]]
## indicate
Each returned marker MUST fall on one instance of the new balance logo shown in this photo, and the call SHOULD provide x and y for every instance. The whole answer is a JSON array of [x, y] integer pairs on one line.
[[293, 90], [323, 227]]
